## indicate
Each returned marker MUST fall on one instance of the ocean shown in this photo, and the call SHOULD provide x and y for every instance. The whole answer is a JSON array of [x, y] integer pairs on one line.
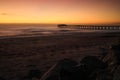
[[27, 29], [8, 30]]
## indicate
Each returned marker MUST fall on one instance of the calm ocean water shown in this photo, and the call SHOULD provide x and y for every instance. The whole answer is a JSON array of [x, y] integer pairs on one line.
[[34, 29], [24, 30]]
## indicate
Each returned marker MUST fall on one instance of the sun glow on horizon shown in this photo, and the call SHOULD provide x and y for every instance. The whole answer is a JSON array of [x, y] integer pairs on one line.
[[59, 11]]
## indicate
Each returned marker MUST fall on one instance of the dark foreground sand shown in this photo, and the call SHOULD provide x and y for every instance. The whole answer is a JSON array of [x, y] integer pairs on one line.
[[20, 55]]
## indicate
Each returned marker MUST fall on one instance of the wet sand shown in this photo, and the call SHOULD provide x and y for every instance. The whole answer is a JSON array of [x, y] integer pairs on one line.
[[18, 55]]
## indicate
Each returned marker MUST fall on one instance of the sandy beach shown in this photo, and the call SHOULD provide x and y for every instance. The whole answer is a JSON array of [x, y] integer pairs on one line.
[[18, 55]]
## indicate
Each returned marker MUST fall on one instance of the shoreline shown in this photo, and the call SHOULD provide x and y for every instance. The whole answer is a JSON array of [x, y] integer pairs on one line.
[[58, 34]]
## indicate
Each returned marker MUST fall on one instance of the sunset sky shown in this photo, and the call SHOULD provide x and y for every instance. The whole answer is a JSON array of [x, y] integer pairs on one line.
[[60, 11]]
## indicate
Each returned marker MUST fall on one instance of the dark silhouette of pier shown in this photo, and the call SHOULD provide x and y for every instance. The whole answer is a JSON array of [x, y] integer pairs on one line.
[[90, 27]]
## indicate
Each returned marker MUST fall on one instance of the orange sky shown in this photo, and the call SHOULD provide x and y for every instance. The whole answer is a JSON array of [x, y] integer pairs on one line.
[[60, 11]]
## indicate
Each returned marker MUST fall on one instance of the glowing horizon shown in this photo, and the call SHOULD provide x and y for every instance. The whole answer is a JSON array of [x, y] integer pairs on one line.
[[60, 11]]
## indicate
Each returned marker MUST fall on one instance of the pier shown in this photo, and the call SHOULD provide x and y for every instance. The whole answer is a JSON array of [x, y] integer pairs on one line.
[[90, 27]]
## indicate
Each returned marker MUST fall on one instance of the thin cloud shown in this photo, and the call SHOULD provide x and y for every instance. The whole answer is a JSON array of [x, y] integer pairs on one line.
[[4, 14]]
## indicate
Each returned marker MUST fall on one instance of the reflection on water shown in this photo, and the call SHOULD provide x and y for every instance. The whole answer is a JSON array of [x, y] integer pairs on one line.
[[30, 30]]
